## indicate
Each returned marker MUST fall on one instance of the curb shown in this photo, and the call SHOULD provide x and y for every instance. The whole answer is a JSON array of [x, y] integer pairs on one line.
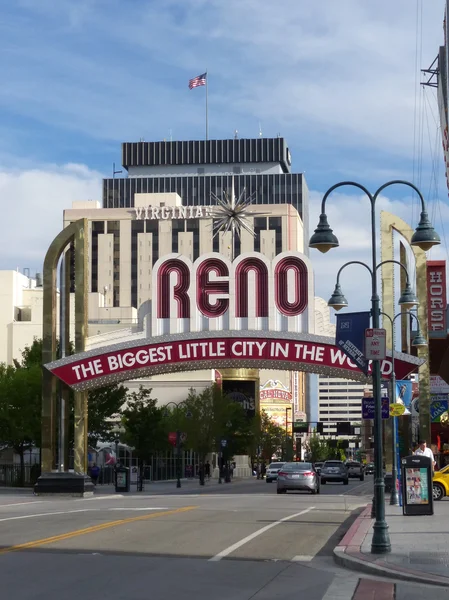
[[348, 554]]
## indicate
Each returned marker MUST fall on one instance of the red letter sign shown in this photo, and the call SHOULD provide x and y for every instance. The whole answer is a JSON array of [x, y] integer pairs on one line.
[[300, 288], [180, 294], [205, 287], [436, 298], [241, 287]]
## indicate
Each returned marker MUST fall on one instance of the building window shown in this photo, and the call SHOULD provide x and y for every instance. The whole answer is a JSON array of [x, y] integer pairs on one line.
[[178, 225], [114, 228], [275, 224], [260, 224], [136, 228], [97, 228], [193, 226]]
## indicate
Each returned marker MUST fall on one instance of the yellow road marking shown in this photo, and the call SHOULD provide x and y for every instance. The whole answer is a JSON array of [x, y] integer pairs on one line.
[[92, 529]]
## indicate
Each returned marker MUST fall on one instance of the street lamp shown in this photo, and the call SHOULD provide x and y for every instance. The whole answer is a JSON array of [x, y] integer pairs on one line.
[[287, 453], [220, 458], [324, 239], [178, 442], [418, 341]]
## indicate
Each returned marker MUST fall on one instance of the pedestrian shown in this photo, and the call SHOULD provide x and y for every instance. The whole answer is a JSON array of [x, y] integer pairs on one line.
[[425, 451], [207, 470], [94, 473], [201, 473]]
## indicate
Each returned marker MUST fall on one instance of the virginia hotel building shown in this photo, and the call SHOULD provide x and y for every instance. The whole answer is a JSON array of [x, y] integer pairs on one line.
[[164, 206]]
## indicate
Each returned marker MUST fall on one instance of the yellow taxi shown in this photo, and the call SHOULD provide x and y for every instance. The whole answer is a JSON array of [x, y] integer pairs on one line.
[[441, 483]]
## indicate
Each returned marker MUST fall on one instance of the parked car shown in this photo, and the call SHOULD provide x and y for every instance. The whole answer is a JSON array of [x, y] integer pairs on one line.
[[298, 476], [272, 471], [369, 469], [440, 487], [334, 470], [318, 466], [355, 469]]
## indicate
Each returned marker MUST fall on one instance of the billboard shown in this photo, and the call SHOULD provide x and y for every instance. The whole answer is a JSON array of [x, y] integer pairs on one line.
[[350, 337], [276, 400], [436, 298]]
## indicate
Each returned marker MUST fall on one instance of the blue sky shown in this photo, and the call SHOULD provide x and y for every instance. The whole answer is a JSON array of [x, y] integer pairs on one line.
[[340, 80]]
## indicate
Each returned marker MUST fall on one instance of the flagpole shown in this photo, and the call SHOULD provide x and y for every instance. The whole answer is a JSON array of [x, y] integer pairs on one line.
[[207, 122]]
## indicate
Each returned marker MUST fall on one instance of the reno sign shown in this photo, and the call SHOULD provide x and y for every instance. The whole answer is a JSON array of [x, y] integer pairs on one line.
[[250, 293], [215, 313]]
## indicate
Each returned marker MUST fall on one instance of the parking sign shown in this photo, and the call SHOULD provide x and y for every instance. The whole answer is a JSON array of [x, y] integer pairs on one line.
[[375, 344]]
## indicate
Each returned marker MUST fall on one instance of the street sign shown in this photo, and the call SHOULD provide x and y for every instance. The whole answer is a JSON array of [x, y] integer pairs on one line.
[[375, 344], [300, 427], [368, 408], [224, 443], [397, 409]]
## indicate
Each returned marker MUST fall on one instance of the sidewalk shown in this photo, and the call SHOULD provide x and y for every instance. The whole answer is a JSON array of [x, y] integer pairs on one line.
[[161, 487], [419, 546]]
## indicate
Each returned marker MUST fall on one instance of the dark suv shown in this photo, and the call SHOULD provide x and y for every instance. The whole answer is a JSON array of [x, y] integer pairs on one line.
[[355, 469], [334, 470]]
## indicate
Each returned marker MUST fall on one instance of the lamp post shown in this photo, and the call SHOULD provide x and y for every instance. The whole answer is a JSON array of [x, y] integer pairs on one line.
[[227, 474], [418, 341], [324, 239], [178, 443], [287, 453]]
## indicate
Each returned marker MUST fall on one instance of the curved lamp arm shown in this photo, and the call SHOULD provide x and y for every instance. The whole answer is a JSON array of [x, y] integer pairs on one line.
[[397, 263], [401, 181], [353, 262], [341, 184]]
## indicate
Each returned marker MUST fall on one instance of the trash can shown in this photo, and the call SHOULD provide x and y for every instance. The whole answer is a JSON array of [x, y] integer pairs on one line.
[[416, 475], [122, 479]]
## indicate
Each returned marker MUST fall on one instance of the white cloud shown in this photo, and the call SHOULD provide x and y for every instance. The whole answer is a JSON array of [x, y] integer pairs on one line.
[[345, 70], [33, 201]]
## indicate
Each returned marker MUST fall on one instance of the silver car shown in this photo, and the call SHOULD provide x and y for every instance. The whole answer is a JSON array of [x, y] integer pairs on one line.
[[334, 470], [298, 476], [272, 471]]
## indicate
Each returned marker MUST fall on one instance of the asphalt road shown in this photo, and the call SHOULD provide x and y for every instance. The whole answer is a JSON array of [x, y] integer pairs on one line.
[[238, 541]]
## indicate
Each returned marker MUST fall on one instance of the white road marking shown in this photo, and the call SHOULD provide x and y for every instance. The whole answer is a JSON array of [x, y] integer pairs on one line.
[[250, 537], [111, 497], [302, 558], [140, 508], [342, 587], [68, 512], [21, 503], [61, 512]]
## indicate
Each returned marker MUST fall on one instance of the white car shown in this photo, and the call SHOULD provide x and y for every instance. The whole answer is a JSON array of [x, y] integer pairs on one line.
[[273, 470]]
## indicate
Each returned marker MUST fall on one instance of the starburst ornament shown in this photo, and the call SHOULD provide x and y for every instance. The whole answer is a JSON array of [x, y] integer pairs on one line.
[[232, 214]]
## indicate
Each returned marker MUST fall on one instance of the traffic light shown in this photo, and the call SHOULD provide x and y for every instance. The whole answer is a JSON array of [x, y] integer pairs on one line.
[[300, 427], [320, 428], [343, 428]]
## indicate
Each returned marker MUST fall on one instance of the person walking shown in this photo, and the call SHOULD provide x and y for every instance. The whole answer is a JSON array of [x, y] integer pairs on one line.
[[423, 450], [94, 473], [207, 470]]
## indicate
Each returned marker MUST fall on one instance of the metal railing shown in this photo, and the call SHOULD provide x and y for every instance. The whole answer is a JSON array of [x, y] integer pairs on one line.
[[13, 476]]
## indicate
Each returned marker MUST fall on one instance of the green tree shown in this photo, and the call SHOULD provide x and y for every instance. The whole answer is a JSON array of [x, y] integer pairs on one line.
[[20, 409], [208, 417], [105, 412], [317, 448], [145, 425], [268, 436], [104, 404]]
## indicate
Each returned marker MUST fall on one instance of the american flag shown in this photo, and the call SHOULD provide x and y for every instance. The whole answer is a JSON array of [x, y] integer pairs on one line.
[[197, 81]]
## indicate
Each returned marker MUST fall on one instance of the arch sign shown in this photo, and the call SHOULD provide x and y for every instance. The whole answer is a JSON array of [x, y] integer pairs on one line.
[[212, 314]]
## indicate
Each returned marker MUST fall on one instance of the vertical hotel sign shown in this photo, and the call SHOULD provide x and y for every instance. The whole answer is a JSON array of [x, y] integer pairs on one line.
[[436, 298]]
